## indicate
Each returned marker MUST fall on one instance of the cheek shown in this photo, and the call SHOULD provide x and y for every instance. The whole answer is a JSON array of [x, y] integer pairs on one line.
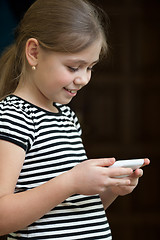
[[62, 77], [52, 76], [89, 76]]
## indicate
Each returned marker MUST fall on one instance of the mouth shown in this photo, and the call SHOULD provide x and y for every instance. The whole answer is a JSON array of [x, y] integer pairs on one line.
[[72, 92]]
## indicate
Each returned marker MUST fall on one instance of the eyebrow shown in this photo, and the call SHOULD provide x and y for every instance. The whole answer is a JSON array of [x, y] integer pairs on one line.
[[79, 61]]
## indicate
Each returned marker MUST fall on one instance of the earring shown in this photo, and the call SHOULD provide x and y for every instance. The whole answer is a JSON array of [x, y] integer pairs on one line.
[[33, 68]]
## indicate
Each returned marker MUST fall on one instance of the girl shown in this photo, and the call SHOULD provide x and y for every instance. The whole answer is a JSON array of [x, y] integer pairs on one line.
[[48, 188]]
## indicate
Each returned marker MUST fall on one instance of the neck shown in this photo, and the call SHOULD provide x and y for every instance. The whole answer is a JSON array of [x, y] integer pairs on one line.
[[35, 98]]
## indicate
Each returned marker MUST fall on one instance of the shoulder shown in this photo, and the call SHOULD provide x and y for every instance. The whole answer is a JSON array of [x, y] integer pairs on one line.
[[16, 121], [65, 109], [68, 112], [16, 110]]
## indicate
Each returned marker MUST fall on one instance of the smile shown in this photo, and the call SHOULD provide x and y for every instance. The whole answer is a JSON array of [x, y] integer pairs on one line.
[[71, 91]]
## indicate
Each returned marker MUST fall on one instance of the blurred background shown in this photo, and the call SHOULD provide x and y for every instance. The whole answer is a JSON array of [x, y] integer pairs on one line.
[[120, 108]]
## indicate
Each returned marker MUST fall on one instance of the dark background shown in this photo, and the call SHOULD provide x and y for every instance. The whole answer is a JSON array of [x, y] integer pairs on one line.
[[120, 108]]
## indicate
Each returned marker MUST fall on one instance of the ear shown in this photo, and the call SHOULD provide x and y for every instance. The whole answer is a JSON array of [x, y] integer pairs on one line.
[[32, 50]]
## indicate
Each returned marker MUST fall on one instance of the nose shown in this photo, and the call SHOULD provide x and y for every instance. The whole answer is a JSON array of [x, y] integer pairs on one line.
[[82, 79]]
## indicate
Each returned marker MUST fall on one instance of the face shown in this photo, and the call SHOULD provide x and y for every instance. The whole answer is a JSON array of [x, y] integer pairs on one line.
[[59, 76]]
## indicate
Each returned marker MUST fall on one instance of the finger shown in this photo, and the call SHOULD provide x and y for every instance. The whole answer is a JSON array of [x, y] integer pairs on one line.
[[146, 162], [137, 173], [119, 182], [119, 172], [105, 162]]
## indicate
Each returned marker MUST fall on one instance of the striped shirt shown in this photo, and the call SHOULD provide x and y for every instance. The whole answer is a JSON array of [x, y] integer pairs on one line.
[[53, 145]]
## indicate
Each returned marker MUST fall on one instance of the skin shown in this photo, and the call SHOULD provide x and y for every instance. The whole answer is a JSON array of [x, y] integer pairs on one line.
[[55, 73], [57, 78]]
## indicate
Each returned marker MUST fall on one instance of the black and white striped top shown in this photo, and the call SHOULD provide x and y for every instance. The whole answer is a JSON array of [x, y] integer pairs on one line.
[[52, 142]]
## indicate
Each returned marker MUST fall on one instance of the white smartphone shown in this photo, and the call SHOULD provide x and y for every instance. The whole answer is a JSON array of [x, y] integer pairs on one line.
[[131, 163]]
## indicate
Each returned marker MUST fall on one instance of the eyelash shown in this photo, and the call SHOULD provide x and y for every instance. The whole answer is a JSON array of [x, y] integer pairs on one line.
[[72, 69]]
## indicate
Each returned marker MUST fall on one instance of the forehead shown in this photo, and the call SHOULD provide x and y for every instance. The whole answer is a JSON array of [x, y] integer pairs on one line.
[[90, 54], [87, 56]]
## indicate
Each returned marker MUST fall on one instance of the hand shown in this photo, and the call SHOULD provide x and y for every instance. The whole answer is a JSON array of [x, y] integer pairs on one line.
[[93, 177], [146, 162], [133, 178]]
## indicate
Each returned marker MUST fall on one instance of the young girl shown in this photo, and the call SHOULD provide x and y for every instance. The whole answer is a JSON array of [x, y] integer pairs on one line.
[[48, 187]]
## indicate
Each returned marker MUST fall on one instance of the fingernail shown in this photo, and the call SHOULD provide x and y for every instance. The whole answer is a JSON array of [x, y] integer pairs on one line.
[[112, 159], [128, 182]]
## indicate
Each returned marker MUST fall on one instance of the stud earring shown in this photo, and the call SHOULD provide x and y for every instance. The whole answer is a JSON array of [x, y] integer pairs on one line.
[[33, 68]]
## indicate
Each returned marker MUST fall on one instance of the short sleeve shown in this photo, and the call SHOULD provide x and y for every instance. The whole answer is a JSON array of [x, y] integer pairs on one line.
[[16, 126]]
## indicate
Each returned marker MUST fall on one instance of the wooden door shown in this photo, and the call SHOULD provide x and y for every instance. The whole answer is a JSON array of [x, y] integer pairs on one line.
[[120, 111]]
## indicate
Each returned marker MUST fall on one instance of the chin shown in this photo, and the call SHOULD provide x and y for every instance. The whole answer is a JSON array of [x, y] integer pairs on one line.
[[64, 102]]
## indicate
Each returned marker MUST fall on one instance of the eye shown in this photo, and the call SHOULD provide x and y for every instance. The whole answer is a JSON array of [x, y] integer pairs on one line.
[[90, 69], [72, 69]]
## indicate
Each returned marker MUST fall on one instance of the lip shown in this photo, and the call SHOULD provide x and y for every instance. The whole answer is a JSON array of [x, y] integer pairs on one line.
[[71, 92]]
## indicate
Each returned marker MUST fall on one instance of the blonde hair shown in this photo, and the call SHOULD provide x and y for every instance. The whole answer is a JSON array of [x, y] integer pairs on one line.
[[58, 25]]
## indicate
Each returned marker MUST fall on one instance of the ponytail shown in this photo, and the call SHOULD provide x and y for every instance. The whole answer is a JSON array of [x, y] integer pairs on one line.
[[9, 72]]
